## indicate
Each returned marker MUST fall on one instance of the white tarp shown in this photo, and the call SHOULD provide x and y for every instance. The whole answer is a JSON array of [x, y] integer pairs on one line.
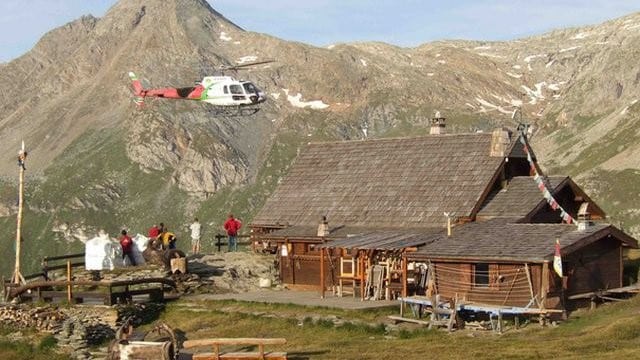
[[139, 245], [102, 253]]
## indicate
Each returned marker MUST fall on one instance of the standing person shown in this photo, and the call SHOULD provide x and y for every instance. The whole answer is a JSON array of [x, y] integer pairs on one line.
[[232, 226], [168, 239], [127, 247], [196, 229], [154, 231]]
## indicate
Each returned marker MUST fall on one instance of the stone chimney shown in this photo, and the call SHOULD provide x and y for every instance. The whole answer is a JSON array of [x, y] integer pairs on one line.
[[323, 227], [500, 141], [437, 124], [584, 217]]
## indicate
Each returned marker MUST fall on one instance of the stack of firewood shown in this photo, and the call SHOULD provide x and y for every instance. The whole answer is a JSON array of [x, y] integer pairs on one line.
[[44, 318]]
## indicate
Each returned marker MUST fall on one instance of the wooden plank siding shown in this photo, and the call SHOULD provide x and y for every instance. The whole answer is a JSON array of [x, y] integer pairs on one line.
[[595, 266], [305, 270], [507, 283]]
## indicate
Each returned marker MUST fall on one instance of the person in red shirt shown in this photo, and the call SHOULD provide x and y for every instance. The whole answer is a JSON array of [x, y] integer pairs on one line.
[[127, 247], [154, 231], [232, 226]]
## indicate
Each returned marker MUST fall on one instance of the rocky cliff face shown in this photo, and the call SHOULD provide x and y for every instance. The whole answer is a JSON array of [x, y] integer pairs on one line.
[[98, 161]]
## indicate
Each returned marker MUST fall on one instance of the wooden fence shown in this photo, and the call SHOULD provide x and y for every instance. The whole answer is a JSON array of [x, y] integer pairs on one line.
[[219, 244]]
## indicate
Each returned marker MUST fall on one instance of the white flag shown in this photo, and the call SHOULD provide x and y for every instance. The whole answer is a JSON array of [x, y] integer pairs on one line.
[[557, 260]]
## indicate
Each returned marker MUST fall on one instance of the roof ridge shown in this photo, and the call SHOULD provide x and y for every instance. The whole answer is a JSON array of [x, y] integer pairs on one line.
[[395, 138]]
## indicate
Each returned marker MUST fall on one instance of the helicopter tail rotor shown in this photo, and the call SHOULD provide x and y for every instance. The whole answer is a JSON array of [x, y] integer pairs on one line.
[[138, 89], [137, 86]]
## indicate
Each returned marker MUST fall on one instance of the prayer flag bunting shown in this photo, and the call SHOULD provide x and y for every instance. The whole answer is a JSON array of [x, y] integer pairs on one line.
[[541, 185]]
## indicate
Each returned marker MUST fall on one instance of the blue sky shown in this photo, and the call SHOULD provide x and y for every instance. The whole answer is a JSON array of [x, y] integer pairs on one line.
[[323, 22]]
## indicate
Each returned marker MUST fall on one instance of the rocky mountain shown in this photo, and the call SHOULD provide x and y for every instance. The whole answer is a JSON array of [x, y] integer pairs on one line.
[[98, 161]]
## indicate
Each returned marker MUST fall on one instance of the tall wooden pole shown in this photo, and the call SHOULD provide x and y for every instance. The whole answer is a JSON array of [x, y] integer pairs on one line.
[[17, 275], [322, 273]]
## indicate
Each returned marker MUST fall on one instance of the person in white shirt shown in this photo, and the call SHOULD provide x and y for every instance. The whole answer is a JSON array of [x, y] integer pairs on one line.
[[196, 229]]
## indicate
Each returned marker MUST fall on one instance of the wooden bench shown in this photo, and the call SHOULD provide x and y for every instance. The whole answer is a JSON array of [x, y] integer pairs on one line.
[[217, 355]]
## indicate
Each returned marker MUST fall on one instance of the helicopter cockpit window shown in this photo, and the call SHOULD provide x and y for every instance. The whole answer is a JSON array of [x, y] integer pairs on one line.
[[250, 88], [236, 89], [225, 89]]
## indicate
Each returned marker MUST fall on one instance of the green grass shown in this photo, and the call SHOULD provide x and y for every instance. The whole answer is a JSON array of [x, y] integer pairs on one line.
[[609, 332], [32, 347], [97, 159]]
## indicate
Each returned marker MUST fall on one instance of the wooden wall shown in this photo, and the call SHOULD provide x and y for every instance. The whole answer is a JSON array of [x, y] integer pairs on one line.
[[507, 284], [595, 266], [304, 270]]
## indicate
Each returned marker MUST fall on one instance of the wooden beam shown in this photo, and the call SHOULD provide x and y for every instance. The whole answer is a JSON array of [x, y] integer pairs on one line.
[[17, 275], [234, 341], [69, 295], [528, 272]]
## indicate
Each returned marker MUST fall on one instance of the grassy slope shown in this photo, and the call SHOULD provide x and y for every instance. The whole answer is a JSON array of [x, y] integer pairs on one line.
[[606, 333], [96, 159], [615, 191]]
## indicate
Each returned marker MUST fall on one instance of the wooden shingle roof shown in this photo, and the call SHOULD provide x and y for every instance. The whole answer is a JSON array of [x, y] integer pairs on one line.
[[520, 196], [406, 182], [386, 240], [500, 240]]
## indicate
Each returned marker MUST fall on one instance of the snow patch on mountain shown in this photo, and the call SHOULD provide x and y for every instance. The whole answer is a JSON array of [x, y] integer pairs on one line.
[[297, 101], [570, 49], [485, 104], [580, 35], [248, 58], [531, 57], [536, 94]]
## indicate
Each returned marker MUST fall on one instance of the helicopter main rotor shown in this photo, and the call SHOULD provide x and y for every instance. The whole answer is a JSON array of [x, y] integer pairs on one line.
[[245, 65]]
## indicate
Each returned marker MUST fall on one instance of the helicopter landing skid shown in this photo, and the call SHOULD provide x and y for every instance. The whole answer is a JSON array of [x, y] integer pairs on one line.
[[235, 111]]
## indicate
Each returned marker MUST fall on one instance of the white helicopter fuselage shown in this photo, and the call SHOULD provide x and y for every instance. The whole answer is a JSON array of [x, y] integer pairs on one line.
[[227, 91]]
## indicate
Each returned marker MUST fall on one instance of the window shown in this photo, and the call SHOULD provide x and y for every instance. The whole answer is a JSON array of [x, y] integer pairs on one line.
[[481, 275], [250, 88], [236, 89], [225, 89]]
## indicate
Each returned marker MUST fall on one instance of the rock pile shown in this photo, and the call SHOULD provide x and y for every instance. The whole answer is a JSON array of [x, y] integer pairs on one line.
[[234, 271], [79, 334]]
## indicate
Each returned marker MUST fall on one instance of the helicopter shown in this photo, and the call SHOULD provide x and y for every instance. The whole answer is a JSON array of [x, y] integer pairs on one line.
[[228, 95]]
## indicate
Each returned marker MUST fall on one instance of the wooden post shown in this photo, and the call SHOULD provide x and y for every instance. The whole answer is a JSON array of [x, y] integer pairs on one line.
[[17, 276], [528, 272], [218, 241], [362, 274], [69, 295], [404, 276], [322, 273]]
